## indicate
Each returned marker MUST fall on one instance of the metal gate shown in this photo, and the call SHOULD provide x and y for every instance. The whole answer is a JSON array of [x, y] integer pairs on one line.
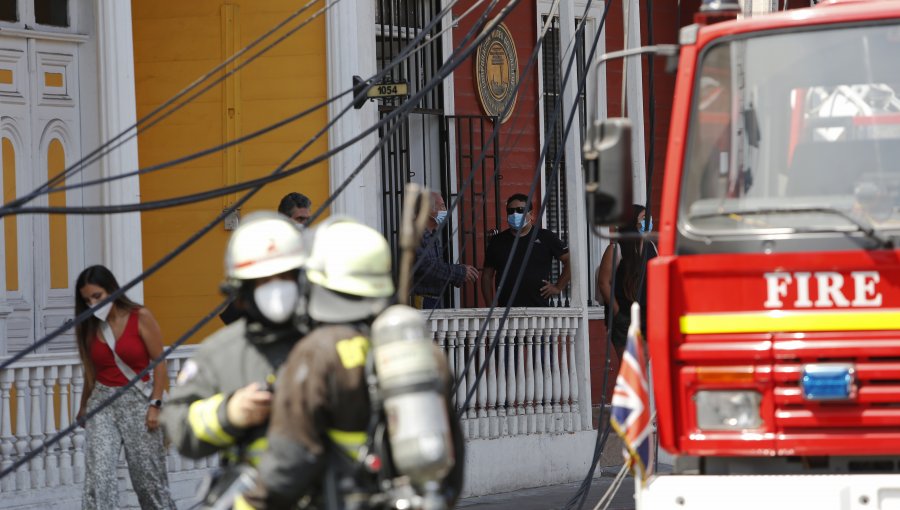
[[477, 174]]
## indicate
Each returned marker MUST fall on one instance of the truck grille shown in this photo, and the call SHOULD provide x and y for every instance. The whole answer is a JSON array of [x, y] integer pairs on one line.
[[876, 358]]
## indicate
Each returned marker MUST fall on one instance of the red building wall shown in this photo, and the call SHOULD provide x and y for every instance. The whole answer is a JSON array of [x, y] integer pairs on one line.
[[519, 137]]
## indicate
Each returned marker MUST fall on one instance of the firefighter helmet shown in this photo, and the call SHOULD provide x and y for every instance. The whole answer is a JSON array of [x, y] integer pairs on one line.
[[349, 269], [265, 244]]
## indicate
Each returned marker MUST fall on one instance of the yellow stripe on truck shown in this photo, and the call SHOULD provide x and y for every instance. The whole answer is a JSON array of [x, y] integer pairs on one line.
[[777, 321]]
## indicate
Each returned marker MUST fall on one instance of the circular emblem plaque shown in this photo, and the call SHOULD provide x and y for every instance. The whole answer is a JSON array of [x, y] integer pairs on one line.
[[497, 72]]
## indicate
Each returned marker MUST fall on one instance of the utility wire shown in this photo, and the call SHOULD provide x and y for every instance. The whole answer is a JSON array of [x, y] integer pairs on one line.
[[133, 130], [434, 39], [533, 234], [204, 230], [250, 184], [215, 312]]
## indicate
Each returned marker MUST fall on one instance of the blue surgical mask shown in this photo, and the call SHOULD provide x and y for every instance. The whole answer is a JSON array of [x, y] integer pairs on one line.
[[441, 216], [647, 226], [516, 221]]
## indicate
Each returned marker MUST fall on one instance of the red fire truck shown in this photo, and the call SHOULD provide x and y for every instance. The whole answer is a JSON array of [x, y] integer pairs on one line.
[[773, 308]]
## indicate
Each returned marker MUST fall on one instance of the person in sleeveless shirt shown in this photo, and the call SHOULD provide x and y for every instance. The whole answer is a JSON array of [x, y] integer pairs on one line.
[[629, 265], [132, 420]]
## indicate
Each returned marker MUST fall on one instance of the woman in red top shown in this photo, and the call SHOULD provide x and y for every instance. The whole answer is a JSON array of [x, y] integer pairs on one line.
[[131, 420]]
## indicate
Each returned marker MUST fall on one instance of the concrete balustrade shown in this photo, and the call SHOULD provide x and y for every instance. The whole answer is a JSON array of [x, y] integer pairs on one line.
[[527, 395]]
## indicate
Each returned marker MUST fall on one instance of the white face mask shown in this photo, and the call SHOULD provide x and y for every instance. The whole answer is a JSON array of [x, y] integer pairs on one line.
[[103, 312], [277, 299]]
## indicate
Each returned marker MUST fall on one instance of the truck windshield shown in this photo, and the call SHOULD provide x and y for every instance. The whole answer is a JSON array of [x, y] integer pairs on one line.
[[796, 132]]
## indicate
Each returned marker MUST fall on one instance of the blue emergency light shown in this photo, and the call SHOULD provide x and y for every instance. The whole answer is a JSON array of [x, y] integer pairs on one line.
[[828, 381]]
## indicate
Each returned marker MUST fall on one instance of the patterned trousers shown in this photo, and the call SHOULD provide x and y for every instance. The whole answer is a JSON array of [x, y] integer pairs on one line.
[[123, 423]]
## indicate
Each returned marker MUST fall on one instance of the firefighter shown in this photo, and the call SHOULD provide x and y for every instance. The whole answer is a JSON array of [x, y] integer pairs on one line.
[[222, 400], [323, 432]]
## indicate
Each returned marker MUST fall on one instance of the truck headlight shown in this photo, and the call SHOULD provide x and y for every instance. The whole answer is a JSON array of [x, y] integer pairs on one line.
[[728, 410]]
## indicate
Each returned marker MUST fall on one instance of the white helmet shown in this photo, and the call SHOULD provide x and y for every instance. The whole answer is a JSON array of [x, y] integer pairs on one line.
[[265, 244], [350, 268]]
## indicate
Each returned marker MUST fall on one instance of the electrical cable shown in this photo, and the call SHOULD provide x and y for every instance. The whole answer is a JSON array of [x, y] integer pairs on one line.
[[523, 76], [443, 72], [503, 277], [215, 312], [494, 343], [206, 319], [507, 148], [118, 393], [236, 141], [204, 230], [98, 153], [193, 330], [607, 498], [533, 234], [176, 201], [245, 185], [581, 494]]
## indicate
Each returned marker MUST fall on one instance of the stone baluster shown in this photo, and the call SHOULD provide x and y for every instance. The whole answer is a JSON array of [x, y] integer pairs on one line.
[[458, 352], [187, 464], [184, 463], [554, 360], [573, 375], [520, 377], [483, 423], [529, 374], [491, 374], [78, 438], [546, 344], [539, 374], [446, 344], [23, 475], [173, 367], [65, 414], [564, 373], [52, 452], [503, 406], [511, 419], [439, 335], [458, 337], [38, 475], [7, 439], [471, 412]]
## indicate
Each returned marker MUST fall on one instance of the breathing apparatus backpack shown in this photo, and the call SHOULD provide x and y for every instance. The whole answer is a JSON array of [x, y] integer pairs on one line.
[[412, 444]]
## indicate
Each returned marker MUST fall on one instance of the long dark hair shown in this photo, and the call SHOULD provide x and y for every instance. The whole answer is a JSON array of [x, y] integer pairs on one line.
[[102, 277], [632, 259]]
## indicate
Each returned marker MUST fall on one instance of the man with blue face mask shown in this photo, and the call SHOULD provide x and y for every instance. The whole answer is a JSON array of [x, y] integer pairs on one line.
[[431, 270], [536, 288]]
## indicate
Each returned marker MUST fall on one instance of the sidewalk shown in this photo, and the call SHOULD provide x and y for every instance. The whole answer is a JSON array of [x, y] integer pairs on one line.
[[555, 496]]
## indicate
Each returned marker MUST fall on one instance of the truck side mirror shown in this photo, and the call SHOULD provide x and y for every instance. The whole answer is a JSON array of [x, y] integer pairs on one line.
[[608, 172]]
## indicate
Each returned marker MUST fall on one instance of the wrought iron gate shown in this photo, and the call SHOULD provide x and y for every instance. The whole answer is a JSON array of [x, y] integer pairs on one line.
[[478, 177]]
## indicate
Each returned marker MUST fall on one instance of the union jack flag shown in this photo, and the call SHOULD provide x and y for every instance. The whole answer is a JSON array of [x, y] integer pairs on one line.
[[631, 403]]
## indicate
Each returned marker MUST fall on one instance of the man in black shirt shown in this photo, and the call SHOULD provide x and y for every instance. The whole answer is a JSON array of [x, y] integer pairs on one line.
[[536, 288]]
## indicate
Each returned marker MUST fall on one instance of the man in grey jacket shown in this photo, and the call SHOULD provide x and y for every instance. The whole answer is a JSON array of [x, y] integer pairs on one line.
[[222, 399]]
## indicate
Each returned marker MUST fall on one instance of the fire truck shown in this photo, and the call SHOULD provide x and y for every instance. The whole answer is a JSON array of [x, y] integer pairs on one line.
[[773, 308]]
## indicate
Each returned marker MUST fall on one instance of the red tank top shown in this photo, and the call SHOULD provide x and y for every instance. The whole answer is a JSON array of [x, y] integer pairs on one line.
[[129, 347]]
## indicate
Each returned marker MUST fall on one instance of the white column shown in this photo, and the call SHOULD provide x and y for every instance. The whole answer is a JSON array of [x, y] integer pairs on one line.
[[577, 212], [351, 51], [115, 59], [634, 99]]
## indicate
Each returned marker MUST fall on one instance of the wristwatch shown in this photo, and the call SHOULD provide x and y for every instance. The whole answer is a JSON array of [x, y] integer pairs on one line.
[[157, 403]]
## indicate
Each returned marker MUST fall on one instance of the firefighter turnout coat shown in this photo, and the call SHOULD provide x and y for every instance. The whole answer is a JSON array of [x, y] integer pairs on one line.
[[194, 416], [321, 405]]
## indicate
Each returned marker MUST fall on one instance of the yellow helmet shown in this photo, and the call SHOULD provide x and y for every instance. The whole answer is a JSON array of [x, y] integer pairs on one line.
[[349, 266]]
